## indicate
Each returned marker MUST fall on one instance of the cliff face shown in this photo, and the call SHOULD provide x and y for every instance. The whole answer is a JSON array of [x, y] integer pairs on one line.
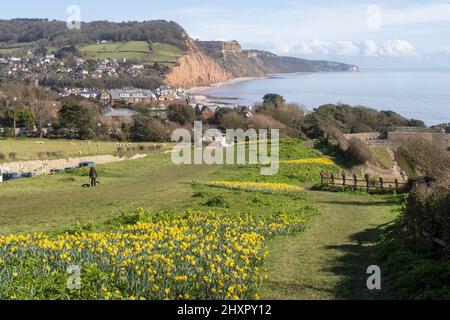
[[209, 62], [196, 69], [271, 63], [230, 56], [255, 63]]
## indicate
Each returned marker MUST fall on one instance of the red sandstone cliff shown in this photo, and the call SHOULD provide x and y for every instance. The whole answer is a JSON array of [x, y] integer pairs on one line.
[[196, 69]]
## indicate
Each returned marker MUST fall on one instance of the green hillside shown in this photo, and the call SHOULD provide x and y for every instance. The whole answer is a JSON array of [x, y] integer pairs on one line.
[[133, 50]]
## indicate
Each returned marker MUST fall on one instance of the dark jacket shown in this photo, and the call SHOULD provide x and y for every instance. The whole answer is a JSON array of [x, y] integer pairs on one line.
[[93, 173]]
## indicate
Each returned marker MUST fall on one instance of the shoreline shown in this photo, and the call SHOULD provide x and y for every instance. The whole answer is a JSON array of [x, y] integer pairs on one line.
[[199, 90]]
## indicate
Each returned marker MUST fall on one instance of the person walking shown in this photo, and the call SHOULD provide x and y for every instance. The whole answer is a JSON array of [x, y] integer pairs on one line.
[[94, 176]]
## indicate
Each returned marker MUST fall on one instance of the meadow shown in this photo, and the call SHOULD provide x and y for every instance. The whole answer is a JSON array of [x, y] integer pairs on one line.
[[37, 149], [153, 230], [133, 50]]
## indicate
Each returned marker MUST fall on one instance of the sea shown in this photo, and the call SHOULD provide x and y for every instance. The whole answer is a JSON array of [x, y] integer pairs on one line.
[[415, 94]]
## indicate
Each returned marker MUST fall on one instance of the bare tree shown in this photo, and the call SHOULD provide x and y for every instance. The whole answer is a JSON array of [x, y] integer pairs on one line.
[[42, 108]]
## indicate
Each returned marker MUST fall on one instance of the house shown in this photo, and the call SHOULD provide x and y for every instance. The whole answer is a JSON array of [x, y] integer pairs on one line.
[[246, 111], [138, 66], [89, 94], [117, 116], [128, 97], [205, 112]]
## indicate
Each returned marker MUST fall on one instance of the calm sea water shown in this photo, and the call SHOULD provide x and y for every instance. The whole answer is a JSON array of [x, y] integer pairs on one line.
[[423, 95]]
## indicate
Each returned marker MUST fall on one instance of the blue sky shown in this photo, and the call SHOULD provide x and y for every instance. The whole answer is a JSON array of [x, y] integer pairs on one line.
[[346, 30]]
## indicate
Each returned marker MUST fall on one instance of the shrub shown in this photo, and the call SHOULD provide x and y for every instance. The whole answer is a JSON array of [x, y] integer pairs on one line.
[[359, 153], [12, 155], [149, 129], [427, 212]]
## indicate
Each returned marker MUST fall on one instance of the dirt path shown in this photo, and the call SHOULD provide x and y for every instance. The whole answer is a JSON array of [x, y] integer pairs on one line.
[[45, 166], [329, 260]]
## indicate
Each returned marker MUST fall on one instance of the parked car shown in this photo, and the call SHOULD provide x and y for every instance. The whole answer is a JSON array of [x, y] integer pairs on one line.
[[29, 175], [12, 176], [86, 164]]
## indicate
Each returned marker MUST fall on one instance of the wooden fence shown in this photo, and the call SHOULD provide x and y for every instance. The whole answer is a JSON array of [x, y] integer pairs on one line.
[[345, 180]]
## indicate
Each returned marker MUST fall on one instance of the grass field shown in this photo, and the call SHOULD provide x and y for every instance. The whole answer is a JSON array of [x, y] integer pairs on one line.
[[325, 261], [165, 53], [329, 260], [383, 157], [32, 149], [16, 48], [133, 50]]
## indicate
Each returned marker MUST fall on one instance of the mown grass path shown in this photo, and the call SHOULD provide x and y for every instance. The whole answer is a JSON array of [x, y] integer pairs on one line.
[[329, 260]]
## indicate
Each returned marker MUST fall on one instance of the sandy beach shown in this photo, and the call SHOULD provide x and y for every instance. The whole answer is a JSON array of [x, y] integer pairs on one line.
[[198, 90]]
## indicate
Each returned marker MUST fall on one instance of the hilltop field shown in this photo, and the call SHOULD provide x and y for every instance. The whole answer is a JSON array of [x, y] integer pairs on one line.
[[133, 50], [317, 242]]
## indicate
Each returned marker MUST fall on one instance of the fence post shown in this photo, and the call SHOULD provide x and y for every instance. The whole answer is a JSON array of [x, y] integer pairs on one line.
[[332, 179], [381, 183], [344, 180], [367, 176], [355, 178], [397, 189]]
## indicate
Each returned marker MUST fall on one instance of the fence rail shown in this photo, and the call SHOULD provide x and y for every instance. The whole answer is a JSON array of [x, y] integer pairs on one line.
[[352, 181]]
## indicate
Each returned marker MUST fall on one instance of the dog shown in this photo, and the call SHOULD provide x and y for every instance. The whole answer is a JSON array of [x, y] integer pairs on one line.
[[87, 185]]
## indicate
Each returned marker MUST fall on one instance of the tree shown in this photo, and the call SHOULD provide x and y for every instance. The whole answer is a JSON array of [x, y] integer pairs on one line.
[[233, 120], [261, 121], [217, 118], [77, 119], [146, 128], [16, 97], [42, 108], [180, 113], [19, 117], [359, 153], [274, 99]]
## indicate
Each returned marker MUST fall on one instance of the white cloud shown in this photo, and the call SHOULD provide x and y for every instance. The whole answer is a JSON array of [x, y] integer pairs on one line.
[[347, 48], [390, 48], [313, 47], [369, 48]]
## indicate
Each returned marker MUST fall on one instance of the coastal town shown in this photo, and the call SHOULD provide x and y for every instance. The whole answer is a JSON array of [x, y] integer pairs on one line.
[[118, 104]]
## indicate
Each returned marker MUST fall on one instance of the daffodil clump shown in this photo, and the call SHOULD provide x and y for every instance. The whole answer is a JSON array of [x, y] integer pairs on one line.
[[194, 256], [265, 187], [319, 161]]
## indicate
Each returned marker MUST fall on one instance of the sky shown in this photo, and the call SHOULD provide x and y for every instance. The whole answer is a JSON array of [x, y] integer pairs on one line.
[[382, 31]]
